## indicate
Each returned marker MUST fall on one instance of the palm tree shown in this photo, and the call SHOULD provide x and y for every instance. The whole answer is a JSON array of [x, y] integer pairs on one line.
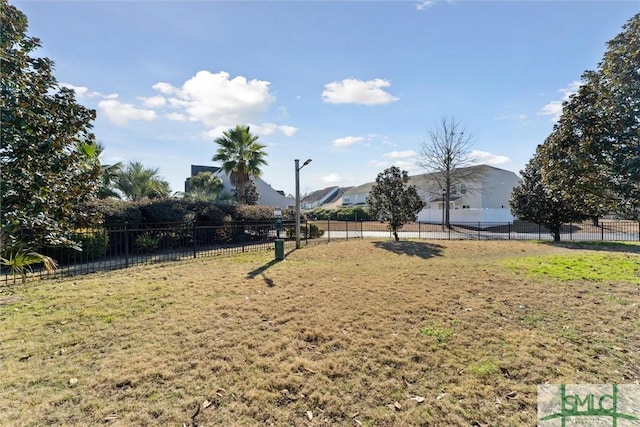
[[241, 157], [109, 177], [137, 182], [205, 186]]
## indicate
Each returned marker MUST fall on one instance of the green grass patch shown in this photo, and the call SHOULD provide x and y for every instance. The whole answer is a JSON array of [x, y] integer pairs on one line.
[[594, 267], [441, 333], [483, 368]]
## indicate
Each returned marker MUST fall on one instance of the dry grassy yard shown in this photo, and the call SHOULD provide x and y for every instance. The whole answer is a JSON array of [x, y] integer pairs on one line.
[[372, 333]]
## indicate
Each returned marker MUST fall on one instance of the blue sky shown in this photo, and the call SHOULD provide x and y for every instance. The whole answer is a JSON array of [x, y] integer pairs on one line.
[[353, 85]]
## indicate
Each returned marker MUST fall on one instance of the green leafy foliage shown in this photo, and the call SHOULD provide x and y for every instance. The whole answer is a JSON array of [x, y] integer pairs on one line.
[[342, 214], [145, 242], [20, 263], [114, 211], [593, 154], [392, 200], [48, 160], [241, 156], [93, 244], [312, 231], [532, 200], [137, 182], [205, 186]]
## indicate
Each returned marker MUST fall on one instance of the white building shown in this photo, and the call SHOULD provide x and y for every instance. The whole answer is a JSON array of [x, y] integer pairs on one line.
[[478, 194]]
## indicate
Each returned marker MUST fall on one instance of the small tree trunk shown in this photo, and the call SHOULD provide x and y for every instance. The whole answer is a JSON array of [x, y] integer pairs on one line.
[[556, 235], [395, 234]]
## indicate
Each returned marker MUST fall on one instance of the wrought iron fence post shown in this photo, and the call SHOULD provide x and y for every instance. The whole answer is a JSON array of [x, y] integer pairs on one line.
[[193, 238], [509, 230], [602, 232], [306, 234], [328, 230], [242, 234], [126, 244], [346, 227], [361, 231]]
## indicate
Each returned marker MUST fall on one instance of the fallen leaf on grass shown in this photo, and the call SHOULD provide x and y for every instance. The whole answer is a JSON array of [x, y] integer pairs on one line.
[[395, 405], [310, 415], [110, 417], [418, 399], [221, 392], [512, 395]]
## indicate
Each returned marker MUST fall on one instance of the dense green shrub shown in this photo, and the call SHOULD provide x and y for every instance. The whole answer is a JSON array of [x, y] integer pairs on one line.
[[310, 232], [93, 243], [145, 242], [114, 211], [340, 214], [167, 211]]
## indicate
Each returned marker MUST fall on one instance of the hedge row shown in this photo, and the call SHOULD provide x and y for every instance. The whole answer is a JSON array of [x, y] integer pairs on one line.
[[113, 211]]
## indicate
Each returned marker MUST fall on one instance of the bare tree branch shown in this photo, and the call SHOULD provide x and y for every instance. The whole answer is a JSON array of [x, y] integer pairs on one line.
[[447, 150]]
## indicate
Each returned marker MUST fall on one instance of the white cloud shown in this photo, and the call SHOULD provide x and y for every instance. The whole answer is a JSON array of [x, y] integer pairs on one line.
[[265, 129], [352, 91], [520, 117], [347, 141], [218, 100], [81, 91], [165, 88], [332, 178], [178, 117], [377, 164], [554, 108], [120, 113], [401, 154], [288, 130], [486, 158], [425, 4], [154, 101]]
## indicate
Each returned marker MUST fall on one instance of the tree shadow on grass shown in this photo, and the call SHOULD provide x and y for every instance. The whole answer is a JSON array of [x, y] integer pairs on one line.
[[630, 247], [405, 247], [260, 270]]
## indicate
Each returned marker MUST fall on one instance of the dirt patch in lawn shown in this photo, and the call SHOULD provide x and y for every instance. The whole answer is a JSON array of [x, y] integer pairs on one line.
[[376, 333]]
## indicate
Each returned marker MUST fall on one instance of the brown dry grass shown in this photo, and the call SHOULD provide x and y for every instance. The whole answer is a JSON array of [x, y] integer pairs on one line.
[[346, 333]]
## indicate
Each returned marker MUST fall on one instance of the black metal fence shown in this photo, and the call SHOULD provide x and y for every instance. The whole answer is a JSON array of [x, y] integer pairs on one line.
[[604, 230], [121, 246]]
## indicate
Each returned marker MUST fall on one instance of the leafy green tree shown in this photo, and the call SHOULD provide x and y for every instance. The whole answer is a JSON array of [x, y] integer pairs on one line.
[[47, 162], [532, 200], [392, 200], [594, 152], [444, 154], [205, 187], [136, 182], [241, 156]]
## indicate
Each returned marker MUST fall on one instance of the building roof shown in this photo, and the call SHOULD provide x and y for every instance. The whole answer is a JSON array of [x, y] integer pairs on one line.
[[426, 179], [319, 195]]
